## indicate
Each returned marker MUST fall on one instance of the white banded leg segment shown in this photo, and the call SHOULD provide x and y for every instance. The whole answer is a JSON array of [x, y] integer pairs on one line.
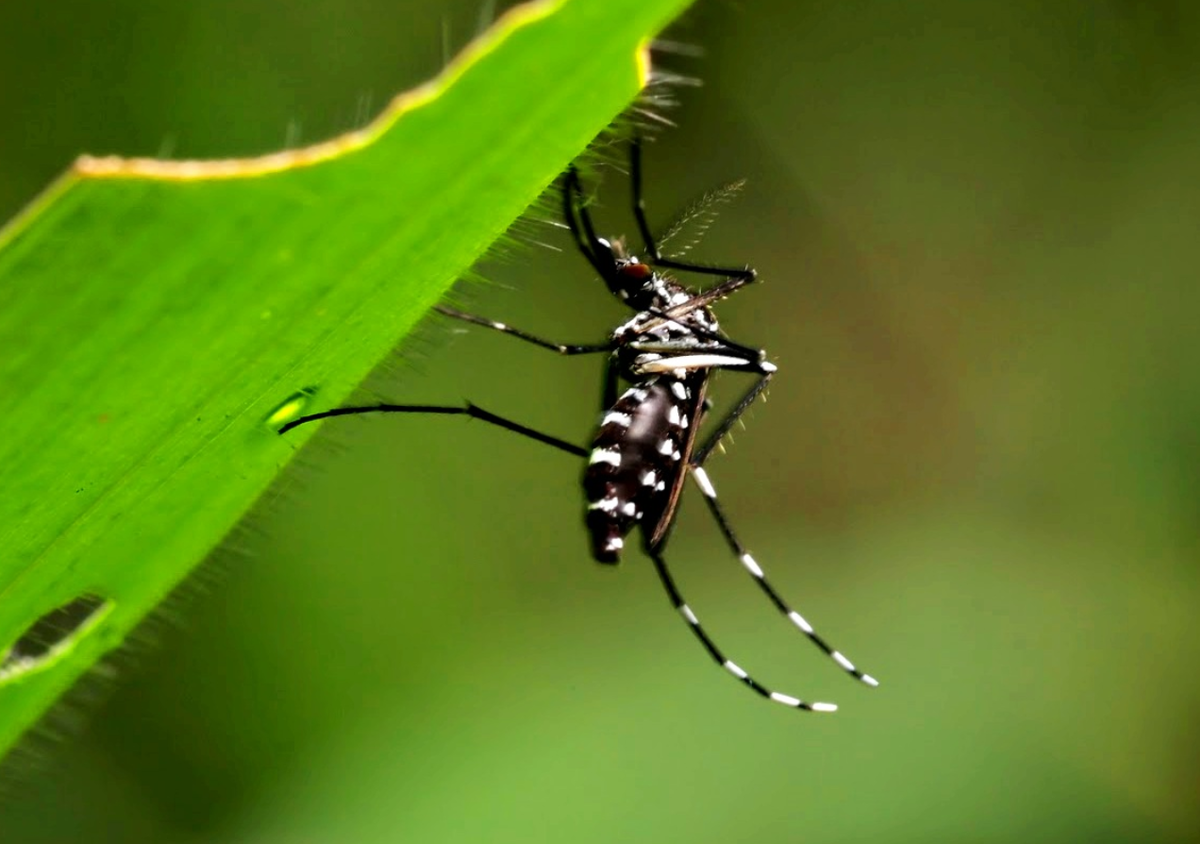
[[786, 700], [686, 362], [505, 328], [841, 660], [800, 621], [729, 665], [735, 669], [701, 478], [751, 565]]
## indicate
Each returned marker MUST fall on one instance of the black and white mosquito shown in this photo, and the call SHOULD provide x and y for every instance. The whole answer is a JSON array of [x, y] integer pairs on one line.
[[646, 443]]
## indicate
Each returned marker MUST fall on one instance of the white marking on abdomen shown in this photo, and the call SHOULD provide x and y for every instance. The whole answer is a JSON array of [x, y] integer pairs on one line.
[[615, 417], [602, 455]]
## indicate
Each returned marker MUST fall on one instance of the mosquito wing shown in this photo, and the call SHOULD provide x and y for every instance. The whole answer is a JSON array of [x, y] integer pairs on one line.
[[688, 393]]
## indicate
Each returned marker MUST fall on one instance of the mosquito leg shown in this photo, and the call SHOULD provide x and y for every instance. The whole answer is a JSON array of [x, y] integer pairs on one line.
[[700, 455], [561, 348], [710, 497], [445, 410], [579, 221], [704, 358], [707, 298], [608, 396], [745, 275], [662, 317], [733, 668], [701, 300]]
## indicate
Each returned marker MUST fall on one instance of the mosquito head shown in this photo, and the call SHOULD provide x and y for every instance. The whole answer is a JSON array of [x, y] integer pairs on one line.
[[633, 282]]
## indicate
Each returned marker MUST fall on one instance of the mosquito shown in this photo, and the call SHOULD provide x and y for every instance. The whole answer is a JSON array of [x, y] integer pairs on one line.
[[646, 444]]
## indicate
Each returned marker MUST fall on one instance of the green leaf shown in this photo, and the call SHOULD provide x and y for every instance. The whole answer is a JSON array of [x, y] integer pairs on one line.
[[158, 320]]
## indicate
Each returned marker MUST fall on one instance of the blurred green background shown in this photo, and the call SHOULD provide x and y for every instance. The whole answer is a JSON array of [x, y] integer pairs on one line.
[[978, 471]]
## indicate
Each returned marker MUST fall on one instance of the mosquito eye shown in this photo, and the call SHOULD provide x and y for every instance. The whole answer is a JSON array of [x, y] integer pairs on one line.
[[637, 271]]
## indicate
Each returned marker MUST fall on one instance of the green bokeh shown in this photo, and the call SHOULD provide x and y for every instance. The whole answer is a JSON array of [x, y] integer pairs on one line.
[[977, 471]]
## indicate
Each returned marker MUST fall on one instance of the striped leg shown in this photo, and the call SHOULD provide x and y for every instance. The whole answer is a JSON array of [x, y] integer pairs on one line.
[[700, 456], [710, 496], [504, 328], [709, 645]]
